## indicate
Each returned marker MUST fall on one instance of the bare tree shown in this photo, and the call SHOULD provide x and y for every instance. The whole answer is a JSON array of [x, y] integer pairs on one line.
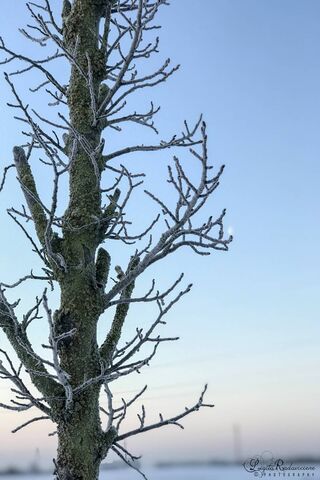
[[105, 43]]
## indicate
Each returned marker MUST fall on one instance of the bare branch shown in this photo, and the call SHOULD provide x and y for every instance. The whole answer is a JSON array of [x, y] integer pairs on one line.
[[142, 339], [19, 341], [147, 298], [181, 233], [5, 172], [25, 424], [170, 421], [185, 140], [130, 464], [54, 340], [37, 64]]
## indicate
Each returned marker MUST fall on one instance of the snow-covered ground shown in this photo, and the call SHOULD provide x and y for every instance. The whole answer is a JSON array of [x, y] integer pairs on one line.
[[196, 473], [214, 473]]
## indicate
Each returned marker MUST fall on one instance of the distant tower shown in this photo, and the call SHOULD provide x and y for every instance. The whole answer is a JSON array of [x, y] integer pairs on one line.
[[237, 444], [35, 467]]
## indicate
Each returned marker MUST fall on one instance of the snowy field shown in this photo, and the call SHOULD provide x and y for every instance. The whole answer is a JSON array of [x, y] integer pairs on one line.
[[203, 473], [214, 473]]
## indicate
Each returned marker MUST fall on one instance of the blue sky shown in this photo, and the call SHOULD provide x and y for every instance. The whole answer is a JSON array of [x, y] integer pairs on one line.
[[250, 326]]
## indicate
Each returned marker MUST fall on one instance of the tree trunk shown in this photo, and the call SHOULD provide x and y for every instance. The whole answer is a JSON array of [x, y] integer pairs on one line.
[[79, 439], [82, 444], [78, 456]]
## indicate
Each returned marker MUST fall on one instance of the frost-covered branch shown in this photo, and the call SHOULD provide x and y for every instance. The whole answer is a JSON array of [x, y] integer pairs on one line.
[[33, 363], [168, 421], [180, 231]]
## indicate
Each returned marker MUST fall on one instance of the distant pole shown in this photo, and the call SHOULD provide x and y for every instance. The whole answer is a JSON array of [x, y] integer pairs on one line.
[[237, 444]]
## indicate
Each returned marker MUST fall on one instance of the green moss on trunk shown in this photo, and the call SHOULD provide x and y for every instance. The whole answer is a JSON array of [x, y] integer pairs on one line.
[[82, 444]]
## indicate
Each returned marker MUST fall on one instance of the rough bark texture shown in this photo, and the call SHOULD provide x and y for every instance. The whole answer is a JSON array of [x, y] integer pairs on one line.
[[82, 443]]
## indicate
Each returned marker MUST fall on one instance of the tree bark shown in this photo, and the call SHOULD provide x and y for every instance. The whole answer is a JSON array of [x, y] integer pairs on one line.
[[78, 441], [82, 444]]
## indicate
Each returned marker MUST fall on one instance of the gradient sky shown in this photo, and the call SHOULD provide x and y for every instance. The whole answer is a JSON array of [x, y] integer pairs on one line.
[[250, 326]]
